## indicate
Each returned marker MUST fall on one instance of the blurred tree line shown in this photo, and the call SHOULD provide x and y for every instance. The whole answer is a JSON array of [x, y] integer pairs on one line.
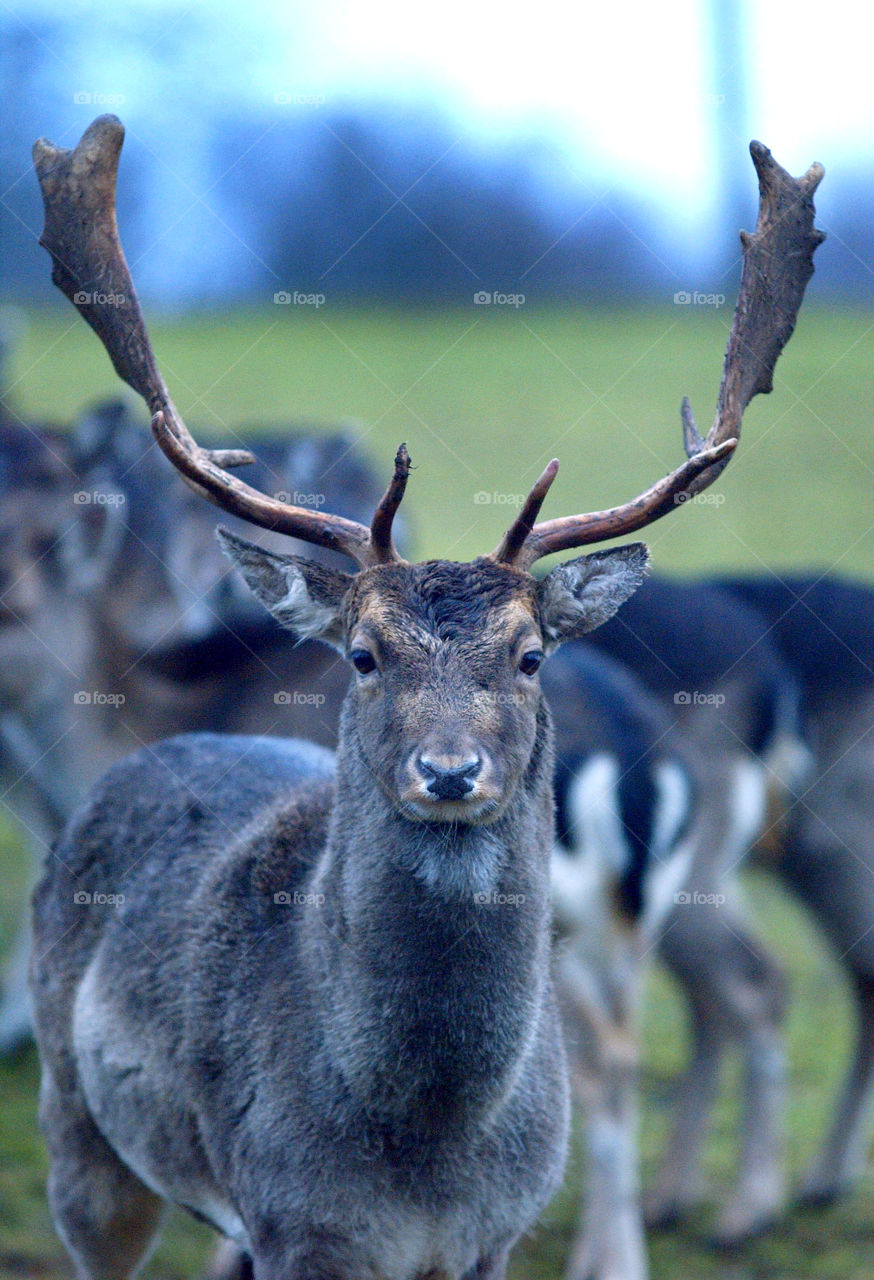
[[240, 200]]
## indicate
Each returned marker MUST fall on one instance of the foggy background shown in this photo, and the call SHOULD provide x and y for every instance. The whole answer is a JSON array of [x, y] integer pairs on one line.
[[422, 154]]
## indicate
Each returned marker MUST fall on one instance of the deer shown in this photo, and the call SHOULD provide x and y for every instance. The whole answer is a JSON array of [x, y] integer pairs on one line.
[[323, 1016], [626, 805], [121, 623], [709, 661], [795, 651], [35, 714], [819, 835]]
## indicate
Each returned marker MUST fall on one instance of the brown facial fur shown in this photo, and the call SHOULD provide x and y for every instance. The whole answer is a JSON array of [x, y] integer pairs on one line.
[[447, 639]]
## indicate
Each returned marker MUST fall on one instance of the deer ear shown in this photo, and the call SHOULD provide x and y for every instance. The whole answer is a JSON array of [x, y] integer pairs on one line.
[[303, 596], [583, 593]]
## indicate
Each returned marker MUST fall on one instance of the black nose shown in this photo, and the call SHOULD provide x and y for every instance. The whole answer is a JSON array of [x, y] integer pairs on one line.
[[449, 784]]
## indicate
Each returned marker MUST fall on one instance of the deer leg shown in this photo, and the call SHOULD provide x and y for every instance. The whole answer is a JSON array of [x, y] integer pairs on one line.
[[16, 1022], [601, 1037], [677, 1187], [610, 1244], [736, 993], [758, 1194], [105, 1216], [16, 1026], [843, 1157]]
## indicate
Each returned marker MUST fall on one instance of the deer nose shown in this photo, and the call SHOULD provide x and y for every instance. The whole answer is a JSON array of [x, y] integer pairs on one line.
[[450, 783]]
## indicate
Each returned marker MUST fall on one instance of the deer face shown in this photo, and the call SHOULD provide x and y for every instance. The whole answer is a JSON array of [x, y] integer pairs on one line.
[[445, 706], [34, 512]]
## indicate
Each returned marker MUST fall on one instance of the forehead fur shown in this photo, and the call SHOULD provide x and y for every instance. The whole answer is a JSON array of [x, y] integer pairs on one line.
[[448, 600]]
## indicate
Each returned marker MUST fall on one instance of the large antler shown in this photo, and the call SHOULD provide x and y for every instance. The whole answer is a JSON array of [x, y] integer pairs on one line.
[[81, 234], [777, 264]]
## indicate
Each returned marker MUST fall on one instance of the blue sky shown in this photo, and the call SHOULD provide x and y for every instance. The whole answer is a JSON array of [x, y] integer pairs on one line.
[[655, 102], [637, 89]]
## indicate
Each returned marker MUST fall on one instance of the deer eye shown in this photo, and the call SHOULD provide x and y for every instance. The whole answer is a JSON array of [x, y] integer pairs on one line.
[[363, 661], [530, 663]]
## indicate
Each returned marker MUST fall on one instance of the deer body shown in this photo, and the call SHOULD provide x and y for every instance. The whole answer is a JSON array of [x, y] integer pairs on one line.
[[404, 1116], [347, 1000], [386, 1024], [625, 795]]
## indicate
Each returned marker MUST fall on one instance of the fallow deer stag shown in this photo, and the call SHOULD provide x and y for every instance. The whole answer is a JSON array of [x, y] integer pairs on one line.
[[323, 1018]]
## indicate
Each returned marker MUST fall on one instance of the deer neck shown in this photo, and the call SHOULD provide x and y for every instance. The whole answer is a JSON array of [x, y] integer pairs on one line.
[[435, 959]]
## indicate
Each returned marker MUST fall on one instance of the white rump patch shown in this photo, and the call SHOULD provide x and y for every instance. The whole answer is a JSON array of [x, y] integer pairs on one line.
[[599, 853], [747, 808], [669, 862]]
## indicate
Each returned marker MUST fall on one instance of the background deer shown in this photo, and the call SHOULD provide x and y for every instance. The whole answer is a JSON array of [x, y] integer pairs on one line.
[[820, 839], [773, 679], [625, 803], [387, 1035], [730, 697], [121, 623]]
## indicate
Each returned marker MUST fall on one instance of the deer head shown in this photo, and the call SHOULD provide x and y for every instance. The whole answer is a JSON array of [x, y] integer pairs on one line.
[[445, 654]]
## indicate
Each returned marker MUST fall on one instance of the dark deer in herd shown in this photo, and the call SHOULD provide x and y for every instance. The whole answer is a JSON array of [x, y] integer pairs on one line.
[[121, 622], [709, 661], [821, 838], [626, 808], [323, 1016], [783, 671]]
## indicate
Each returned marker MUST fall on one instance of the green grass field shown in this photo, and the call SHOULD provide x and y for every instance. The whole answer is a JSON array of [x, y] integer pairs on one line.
[[484, 397]]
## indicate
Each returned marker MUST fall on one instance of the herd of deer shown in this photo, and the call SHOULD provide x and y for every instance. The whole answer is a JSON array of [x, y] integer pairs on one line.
[[321, 969]]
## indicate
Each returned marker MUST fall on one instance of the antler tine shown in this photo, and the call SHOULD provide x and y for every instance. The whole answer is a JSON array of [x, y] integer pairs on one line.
[[81, 234], [520, 529], [381, 542], [777, 264]]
